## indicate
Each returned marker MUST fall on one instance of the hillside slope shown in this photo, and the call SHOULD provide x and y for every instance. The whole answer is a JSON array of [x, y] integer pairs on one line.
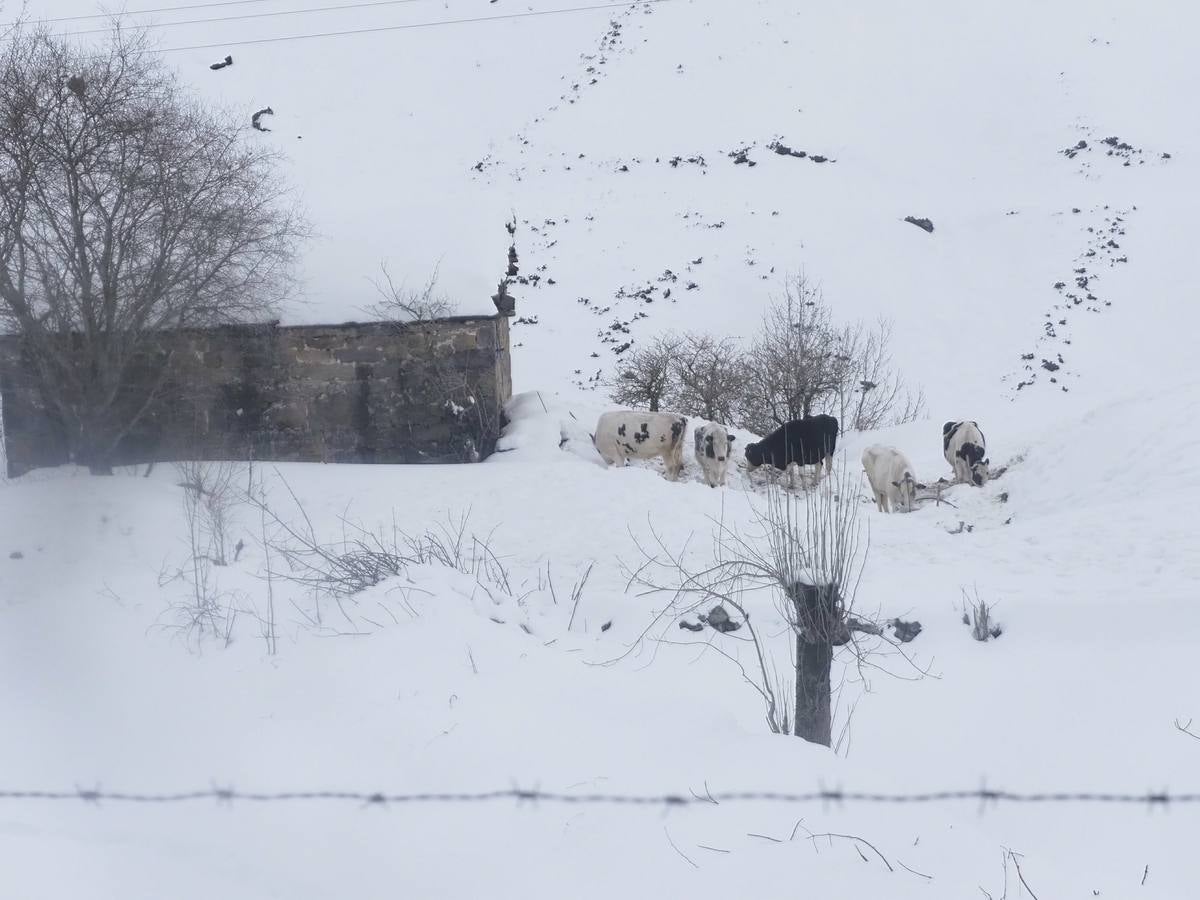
[[432, 682]]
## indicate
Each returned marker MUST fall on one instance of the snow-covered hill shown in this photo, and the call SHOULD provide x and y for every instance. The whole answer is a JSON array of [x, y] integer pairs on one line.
[[416, 145]]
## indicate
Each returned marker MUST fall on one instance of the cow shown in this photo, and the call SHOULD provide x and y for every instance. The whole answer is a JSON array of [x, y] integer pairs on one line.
[[891, 476], [713, 447], [966, 451], [625, 434], [801, 442]]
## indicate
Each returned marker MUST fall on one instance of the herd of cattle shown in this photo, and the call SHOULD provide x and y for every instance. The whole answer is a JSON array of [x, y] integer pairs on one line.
[[623, 435]]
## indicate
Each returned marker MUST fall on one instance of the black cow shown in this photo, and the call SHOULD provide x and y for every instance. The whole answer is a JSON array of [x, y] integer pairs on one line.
[[806, 442], [966, 451]]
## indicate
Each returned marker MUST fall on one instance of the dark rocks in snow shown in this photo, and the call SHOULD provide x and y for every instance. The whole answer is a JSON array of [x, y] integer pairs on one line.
[[691, 626], [923, 224], [255, 120], [16, 554], [225, 63], [719, 620], [742, 157], [905, 631], [784, 150], [1050, 366]]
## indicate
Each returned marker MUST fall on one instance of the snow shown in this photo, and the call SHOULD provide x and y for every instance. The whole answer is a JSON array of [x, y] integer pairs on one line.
[[430, 682]]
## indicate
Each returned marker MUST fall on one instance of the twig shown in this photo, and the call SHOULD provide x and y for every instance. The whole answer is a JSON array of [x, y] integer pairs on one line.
[[914, 871], [713, 849], [1145, 872], [677, 850], [1021, 875], [765, 837], [1186, 728]]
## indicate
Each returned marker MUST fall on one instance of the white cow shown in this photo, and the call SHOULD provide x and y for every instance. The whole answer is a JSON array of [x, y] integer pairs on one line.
[[891, 475], [966, 451], [625, 434], [713, 446]]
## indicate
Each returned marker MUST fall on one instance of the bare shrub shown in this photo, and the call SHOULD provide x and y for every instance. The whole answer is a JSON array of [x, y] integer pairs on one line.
[[399, 303], [646, 377], [127, 209], [211, 491], [708, 374], [978, 614], [210, 494], [870, 393], [362, 558]]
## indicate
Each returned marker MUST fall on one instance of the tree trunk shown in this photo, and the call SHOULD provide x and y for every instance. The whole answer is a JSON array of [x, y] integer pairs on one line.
[[816, 629], [813, 721]]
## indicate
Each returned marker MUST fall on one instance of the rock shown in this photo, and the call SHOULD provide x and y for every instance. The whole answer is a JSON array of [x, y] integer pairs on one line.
[[923, 224]]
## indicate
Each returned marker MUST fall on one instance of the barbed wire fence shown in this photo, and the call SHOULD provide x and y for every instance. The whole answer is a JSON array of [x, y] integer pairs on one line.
[[984, 796]]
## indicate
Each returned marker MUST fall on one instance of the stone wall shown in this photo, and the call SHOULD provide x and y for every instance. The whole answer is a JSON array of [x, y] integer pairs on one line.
[[373, 392]]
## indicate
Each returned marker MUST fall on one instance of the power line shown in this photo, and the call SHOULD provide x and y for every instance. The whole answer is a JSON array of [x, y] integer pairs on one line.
[[264, 15], [982, 795], [143, 12], [524, 15]]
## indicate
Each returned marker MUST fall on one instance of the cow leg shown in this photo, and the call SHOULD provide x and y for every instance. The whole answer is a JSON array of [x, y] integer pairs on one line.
[[881, 501], [828, 464]]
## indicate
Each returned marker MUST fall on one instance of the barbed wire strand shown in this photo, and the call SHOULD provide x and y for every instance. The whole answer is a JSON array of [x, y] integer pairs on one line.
[[523, 795]]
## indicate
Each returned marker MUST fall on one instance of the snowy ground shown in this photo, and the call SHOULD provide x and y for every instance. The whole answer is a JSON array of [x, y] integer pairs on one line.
[[953, 113]]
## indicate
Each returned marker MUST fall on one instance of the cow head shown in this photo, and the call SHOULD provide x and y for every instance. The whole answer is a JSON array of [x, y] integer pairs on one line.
[[979, 473], [754, 455], [907, 487]]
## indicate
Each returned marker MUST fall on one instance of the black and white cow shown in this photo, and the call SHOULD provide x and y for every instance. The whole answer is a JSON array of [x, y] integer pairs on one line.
[[625, 434], [966, 451], [803, 442], [713, 447], [893, 484]]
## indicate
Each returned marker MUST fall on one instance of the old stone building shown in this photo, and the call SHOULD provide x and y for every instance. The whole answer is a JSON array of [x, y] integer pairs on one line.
[[356, 392]]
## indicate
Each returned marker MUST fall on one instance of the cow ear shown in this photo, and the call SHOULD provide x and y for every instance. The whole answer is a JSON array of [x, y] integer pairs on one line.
[[733, 437], [895, 484]]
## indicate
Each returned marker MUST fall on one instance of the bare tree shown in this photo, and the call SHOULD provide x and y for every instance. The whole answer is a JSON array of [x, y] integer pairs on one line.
[[398, 303], [792, 368], [871, 394], [801, 363], [646, 377], [708, 372], [127, 208], [808, 556]]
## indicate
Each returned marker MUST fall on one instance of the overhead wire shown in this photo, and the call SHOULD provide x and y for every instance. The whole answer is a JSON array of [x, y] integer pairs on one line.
[[261, 15], [414, 25], [143, 12]]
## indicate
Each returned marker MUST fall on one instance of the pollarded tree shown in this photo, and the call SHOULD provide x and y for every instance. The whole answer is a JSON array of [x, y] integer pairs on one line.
[[127, 208]]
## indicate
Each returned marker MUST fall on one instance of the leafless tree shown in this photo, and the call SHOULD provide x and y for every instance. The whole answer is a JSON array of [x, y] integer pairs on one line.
[[127, 208], [708, 376], [792, 365], [802, 363], [871, 394], [400, 304], [646, 376]]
